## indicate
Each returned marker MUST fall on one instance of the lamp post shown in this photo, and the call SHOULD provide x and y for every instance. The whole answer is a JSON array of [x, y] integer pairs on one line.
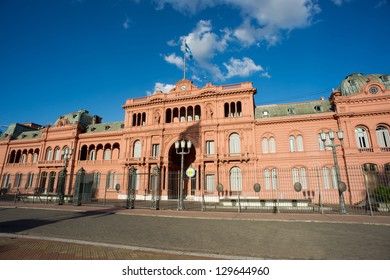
[[180, 150], [340, 184], [66, 154]]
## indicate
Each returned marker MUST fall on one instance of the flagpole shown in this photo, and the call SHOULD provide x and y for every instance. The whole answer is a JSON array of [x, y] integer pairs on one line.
[[184, 59]]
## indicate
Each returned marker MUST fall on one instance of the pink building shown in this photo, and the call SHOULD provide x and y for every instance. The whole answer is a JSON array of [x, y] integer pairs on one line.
[[235, 144]]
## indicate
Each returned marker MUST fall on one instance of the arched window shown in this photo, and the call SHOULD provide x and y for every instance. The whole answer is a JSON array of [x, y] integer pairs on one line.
[[299, 175], [49, 153], [24, 158], [35, 156], [57, 153], [382, 133], [272, 145], [232, 109], [12, 157], [264, 145], [226, 108], [361, 138], [235, 179], [115, 151], [190, 114], [139, 119], [18, 156], [234, 144], [300, 143], [52, 177], [198, 112], [107, 154], [92, 152], [175, 115], [292, 144], [168, 116], [239, 109], [182, 114], [137, 149], [268, 145], [111, 180]]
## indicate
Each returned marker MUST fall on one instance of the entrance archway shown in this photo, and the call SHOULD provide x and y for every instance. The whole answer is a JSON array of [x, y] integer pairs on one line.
[[174, 161]]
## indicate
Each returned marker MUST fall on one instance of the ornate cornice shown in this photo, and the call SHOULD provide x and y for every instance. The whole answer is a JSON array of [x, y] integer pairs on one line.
[[209, 93], [362, 114], [293, 119], [361, 100]]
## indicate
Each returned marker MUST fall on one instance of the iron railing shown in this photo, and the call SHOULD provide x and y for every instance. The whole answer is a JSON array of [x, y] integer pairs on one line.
[[367, 191]]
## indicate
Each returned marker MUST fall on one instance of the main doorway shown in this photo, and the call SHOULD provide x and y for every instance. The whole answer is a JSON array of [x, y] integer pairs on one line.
[[174, 172]]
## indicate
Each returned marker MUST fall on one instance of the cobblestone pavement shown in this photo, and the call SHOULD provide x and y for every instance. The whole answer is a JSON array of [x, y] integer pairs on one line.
[[15, 248]]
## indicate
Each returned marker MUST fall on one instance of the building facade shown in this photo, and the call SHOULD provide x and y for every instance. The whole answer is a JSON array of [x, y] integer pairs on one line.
[[235, 144]]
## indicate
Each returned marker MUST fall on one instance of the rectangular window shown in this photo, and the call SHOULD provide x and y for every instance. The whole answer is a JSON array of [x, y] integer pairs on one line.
[[210, 182], [210, 147], [267, 179], [303, 178], [325, 173], [30, 178], [18, 180], [155, 150], [274, 179], [334, 177]]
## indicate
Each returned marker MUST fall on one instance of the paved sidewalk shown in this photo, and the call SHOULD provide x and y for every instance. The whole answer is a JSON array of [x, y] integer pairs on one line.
[[336, 218], [19, 247]]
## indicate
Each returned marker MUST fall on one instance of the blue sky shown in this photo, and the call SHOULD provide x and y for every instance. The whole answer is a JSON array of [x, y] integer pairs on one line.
[[60, 56]]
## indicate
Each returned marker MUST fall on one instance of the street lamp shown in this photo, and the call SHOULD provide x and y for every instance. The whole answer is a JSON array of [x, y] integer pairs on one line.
[[66, 155], [340, 184], [180, 150]]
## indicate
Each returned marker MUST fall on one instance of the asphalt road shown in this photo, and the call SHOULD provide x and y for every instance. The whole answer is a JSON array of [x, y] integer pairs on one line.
[[234, 237]]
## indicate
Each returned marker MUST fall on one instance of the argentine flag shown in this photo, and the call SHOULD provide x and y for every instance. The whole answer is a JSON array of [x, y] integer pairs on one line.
[[188, 50]]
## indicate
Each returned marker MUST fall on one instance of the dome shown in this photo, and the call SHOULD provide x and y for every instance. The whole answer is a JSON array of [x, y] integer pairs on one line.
[[355, 82]]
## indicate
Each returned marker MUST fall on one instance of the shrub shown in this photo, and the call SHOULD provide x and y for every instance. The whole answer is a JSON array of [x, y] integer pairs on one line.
[[382, 194]]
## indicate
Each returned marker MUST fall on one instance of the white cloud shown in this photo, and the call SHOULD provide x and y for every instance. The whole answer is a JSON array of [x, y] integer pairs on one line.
[[190, 7], [165, 88], [338, 2], [341, 2], [265, 75], [126, 24], [262, 20], [205, 45], [241, 68], [175, 60], [380, 4]]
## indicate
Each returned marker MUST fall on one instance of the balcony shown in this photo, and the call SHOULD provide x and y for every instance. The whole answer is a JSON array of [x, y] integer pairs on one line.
[[366, 150], [51, 163]]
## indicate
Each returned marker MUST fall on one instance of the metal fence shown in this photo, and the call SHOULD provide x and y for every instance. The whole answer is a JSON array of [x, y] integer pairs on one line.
[[353, 190]]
